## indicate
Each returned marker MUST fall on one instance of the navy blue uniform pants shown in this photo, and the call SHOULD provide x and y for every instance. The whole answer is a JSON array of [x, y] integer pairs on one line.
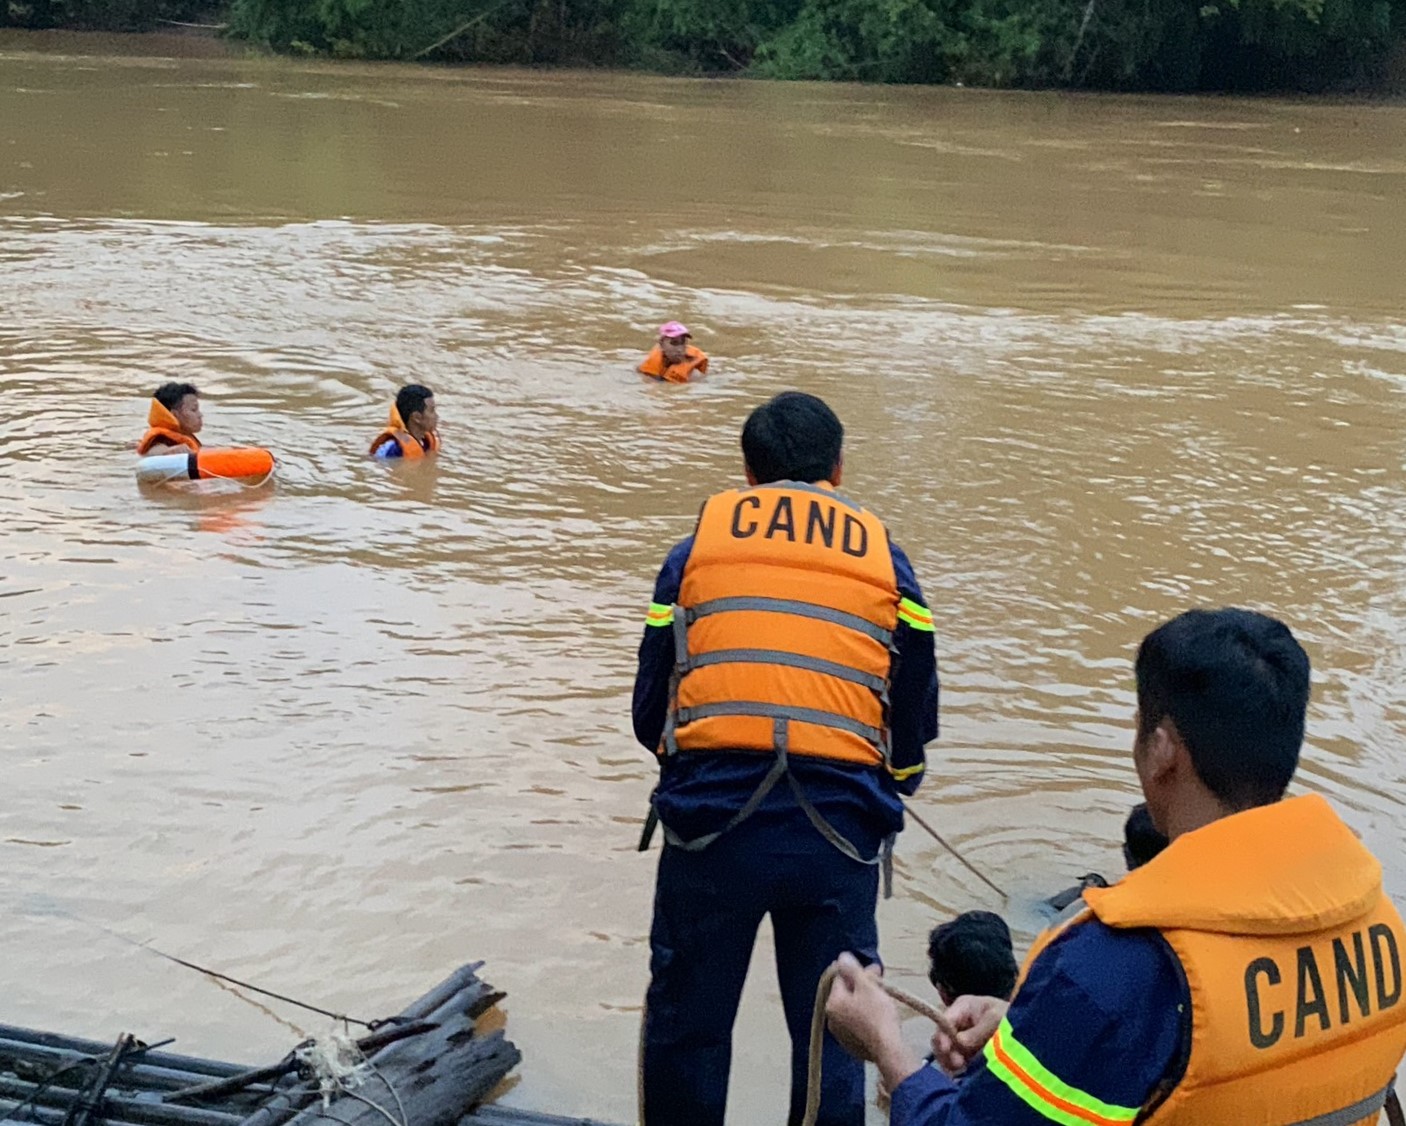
[[707, 907]]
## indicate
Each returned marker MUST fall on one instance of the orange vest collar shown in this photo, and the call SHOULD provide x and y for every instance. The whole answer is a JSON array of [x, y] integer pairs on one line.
[[163, 426], [1298, 869], [159, 418]]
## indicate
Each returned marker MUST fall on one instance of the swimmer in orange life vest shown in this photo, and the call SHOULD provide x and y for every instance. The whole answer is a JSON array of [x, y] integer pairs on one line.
[[413, 428], [173, 420], [674, 359], [1249, 974]]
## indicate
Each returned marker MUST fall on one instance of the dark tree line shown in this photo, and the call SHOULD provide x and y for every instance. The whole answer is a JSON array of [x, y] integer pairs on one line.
[[1112, 44]]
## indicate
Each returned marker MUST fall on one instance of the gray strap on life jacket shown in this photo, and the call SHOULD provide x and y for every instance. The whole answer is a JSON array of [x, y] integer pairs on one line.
[[680, 628], [794, 607], [1394, 1116], [773, 776], [763, 710], [684, 663], [877, 684], [681, 666], [883, 859], [1363, 1108], [825, 829], [781, 767]]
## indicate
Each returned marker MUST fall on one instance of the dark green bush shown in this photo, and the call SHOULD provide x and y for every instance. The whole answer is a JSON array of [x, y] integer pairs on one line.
[[517, 31], [865, 40], [1108, 44], [101, 15]]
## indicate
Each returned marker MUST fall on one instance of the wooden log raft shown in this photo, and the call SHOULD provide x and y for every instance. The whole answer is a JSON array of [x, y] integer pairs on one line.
[[47, 1078], [429, 1066], [431, 1079]]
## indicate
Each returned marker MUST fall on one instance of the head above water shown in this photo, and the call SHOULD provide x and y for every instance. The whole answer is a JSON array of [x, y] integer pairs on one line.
[[793, 437], [1222, 698], [972, 955], [415, 404], [673, 342], [183, 401]]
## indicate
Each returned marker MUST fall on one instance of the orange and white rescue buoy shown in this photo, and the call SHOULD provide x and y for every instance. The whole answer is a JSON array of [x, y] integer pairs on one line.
[[198, 465]]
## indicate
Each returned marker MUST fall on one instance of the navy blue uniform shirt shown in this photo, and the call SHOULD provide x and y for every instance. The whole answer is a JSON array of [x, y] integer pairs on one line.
[[698, 793], [1104, 1013]]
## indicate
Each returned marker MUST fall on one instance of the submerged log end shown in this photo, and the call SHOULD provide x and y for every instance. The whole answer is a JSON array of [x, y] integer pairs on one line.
[[463, 978]]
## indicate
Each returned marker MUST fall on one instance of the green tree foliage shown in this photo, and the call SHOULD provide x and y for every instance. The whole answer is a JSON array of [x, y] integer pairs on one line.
[[1108, 44], [507, 31], [104, 15], [1119, 44]]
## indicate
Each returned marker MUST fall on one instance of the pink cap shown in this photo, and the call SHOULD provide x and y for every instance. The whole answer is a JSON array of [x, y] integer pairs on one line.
[[673, 328]]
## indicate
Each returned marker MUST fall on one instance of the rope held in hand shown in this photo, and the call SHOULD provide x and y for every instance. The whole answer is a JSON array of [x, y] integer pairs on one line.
[[1394, 1114], [817, 1032]]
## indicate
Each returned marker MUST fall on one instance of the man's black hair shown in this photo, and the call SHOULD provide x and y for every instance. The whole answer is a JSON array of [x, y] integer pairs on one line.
[[410, 399], [1235, 683], [972, 954], [793, 437], [169, 395], [1141, 840]]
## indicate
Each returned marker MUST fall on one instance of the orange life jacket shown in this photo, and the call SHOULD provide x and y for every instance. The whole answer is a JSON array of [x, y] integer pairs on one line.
[[163, 426], [681, 372], [409, 447], [784, 628], [1293, 957]]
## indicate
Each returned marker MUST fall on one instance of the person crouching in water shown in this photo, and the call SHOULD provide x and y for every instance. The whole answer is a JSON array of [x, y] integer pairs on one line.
[[412, 431], [972, 955], [1141, 843], [173, 421], [674, 359]]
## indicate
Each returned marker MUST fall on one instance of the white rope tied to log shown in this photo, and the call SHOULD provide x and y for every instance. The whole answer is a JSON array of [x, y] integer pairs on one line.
[[335, 1062], [339, 1066]]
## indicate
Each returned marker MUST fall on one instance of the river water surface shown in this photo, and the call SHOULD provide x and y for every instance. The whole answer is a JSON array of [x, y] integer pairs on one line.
[[1100, 359]]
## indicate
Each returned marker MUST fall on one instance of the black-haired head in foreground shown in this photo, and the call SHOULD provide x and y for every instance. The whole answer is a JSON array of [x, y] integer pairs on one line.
[[1232, 687], [793, 437], [972, 955]]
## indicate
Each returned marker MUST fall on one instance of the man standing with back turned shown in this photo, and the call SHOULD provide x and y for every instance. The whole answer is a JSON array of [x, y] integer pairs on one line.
[[1248, 975], [788, 683]]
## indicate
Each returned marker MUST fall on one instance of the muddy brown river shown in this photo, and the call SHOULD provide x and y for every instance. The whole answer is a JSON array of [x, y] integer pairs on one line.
[[1100, 359]]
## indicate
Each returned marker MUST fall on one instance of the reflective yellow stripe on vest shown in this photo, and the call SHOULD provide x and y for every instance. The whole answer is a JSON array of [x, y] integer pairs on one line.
[[659, 615], [1043, 1091], [915, 615]]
